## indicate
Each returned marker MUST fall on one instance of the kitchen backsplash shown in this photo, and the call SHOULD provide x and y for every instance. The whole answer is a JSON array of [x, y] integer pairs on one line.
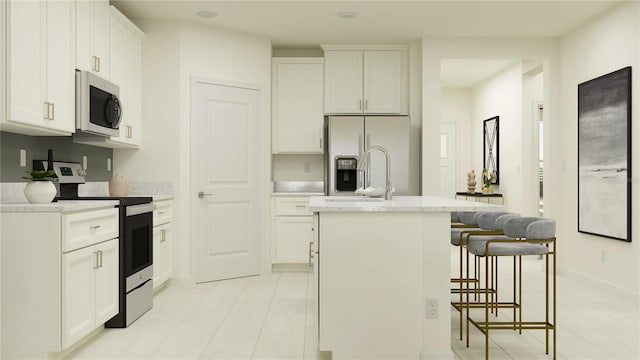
[[13, 192], [298, 168], [64, 149]]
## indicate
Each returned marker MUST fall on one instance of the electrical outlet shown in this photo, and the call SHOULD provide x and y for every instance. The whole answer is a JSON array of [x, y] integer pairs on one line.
[[307, 167], [433, 309]]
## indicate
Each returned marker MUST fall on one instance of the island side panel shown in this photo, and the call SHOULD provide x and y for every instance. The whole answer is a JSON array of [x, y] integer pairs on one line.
[[371, 284], [436, 285]]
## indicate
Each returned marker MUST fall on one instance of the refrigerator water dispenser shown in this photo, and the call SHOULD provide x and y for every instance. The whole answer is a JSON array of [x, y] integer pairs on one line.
[[346, 173]]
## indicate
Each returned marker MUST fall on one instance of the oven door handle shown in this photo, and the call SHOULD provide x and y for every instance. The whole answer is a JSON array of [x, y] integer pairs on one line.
[[140, 209]]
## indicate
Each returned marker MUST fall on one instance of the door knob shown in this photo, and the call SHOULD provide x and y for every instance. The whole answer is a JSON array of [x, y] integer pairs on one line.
[[201, 194]]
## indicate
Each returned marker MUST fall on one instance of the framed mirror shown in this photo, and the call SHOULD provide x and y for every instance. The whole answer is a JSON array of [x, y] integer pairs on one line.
[[491, 151]]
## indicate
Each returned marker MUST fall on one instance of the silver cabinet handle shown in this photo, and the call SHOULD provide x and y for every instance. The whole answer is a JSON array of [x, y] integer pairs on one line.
[[48, 111], [311, 253], [202, 194], [164, 235], [95, 63], [98, 67], [95, 227], [129, 132], [366, 104], [53, 111], [299, 206], [360, 105], [97, 260]]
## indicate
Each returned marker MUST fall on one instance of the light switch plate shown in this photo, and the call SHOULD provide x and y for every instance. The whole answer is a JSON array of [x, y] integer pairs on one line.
[[23, 158]]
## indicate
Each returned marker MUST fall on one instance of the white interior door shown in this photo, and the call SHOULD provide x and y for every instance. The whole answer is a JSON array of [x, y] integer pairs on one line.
[[448, 160], [228, 195]]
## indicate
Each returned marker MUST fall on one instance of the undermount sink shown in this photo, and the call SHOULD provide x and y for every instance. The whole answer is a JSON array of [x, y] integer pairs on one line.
[[353, 199]]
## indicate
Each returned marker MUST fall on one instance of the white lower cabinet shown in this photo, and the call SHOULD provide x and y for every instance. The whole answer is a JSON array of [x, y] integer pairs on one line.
[[162, 248], [291, 230], [90, 289], [51, 296], [161, 254]]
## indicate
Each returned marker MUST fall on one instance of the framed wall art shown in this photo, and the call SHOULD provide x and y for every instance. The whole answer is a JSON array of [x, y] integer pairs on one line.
[[491, 150], [604, 155]]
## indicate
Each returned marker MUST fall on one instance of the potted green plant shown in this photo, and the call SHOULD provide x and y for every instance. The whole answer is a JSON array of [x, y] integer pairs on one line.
[[40, 189]]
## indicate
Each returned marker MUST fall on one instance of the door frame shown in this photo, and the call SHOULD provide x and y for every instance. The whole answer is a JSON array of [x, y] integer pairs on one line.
[[264, 201]]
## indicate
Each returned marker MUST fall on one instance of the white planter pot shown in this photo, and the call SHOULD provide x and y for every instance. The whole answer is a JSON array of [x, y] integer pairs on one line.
[[40, 192]]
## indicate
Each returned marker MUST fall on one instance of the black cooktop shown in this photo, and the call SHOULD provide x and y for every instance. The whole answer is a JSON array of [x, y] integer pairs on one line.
[[124, 200]]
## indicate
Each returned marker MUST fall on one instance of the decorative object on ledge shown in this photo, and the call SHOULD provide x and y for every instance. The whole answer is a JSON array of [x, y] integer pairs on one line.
[[471, 181], [491, 150], [487, 180], [604, 155], [40, 190], [118, 186]]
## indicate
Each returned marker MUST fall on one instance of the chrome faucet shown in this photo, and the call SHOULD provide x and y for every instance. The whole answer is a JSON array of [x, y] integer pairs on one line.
[[363, 162]]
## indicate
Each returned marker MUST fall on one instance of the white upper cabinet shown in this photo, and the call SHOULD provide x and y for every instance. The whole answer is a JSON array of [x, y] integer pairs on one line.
[[366, 80], [298, 120], [125, 53], [92, 36], [40, 77]]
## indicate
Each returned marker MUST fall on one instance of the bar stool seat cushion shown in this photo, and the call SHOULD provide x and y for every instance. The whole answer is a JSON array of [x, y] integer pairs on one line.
[[478, 248]]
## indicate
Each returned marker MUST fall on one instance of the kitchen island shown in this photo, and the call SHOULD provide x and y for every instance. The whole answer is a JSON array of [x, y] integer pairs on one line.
[[382, 275]]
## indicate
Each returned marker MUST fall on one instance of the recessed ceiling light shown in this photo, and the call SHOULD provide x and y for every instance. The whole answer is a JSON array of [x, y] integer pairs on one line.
[[206, 14], [347, 14]]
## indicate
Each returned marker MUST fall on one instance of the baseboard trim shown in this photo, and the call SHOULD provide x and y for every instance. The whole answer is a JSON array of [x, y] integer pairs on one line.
[[291, 268], [604, 285]]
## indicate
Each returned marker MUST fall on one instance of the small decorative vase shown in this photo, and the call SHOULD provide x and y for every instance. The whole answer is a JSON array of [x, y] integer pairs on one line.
[[487, 189], [118, 186], [40, 192]]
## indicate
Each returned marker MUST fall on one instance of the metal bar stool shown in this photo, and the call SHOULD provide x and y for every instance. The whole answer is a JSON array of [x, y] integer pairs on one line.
[[488, 228], [530, 236]]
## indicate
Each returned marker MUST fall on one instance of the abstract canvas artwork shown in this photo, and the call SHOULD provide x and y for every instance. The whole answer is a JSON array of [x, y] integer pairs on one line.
[[604, 155]]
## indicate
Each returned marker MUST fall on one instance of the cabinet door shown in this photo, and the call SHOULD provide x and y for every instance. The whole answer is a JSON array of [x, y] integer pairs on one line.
[[84, 35], [161, 254], [297, 107], [101, 36], [78, 294], [118, 71], [125, 53], [134, 93], [60, 79], [383, 82], [292, 237], [106, 279], [343, 82], [25, 61]]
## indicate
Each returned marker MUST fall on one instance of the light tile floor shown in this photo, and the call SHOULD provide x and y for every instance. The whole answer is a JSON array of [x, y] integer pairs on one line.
[[271, 317]]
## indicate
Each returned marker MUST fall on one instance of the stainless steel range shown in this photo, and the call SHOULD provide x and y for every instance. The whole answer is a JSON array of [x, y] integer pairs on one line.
[[136, 242]]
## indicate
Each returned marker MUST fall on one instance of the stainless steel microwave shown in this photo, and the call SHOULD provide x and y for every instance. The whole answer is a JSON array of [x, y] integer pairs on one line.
[[98, 109]]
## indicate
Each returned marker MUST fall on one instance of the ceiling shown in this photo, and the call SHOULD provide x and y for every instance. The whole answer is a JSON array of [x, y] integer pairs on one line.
[[306, 24]]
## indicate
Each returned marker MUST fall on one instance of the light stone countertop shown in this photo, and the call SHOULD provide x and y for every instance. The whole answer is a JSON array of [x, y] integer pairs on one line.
[[398, 204], [59, 206]]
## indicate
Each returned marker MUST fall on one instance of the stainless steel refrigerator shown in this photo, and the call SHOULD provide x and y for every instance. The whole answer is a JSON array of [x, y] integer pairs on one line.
[[349, 136]]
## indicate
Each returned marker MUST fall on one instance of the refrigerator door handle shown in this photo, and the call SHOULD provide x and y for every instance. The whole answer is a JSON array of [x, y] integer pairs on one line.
[[360, 176], [368, 173]]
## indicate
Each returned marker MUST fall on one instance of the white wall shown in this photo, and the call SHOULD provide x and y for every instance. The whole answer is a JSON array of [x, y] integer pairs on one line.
[[605, 44], [456, 108], [204, 52], [501, 96], [436, 49]]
